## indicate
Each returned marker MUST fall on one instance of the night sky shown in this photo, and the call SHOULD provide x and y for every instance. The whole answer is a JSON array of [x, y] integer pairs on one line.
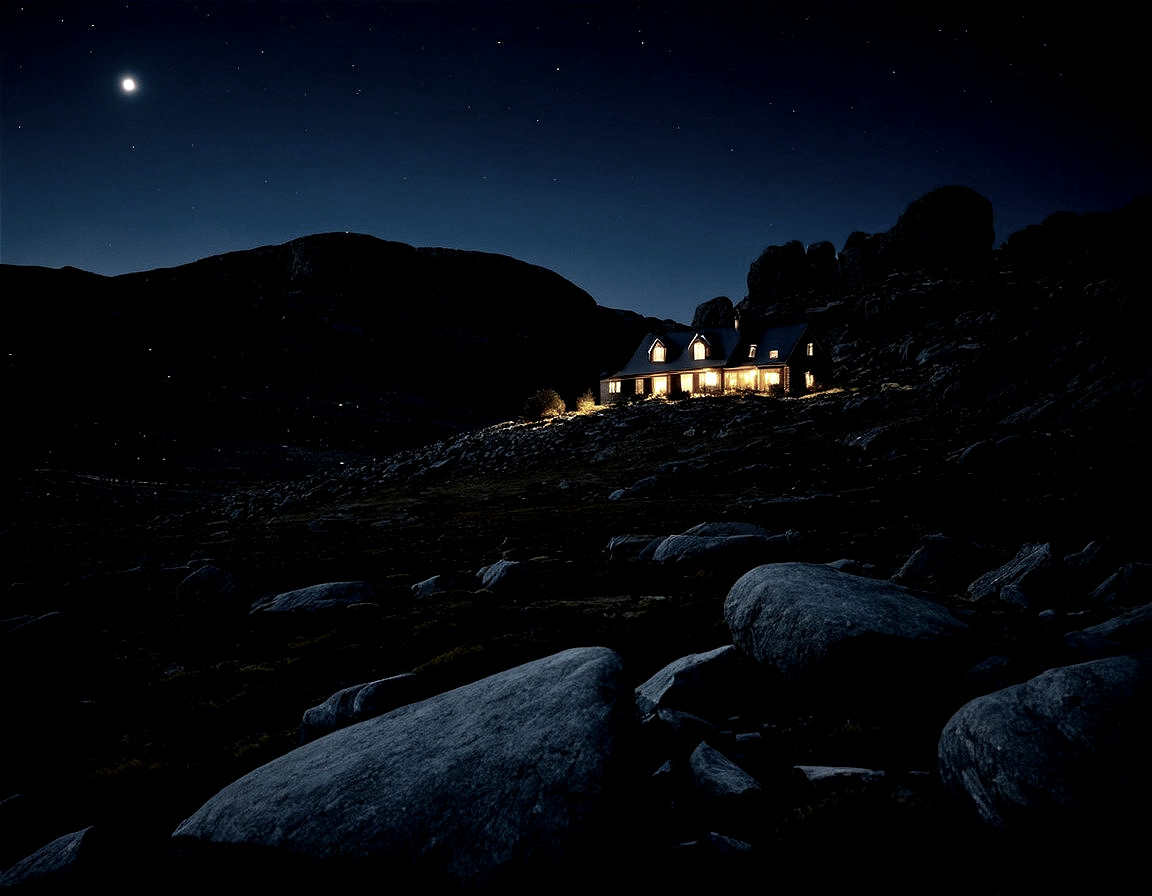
[[646, 151]]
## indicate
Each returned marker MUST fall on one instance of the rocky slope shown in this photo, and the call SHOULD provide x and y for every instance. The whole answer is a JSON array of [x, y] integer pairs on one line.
[[893, 632]]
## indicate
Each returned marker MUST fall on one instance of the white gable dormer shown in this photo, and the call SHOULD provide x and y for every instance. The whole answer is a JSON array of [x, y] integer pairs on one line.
[[698, 348], [658, 352]]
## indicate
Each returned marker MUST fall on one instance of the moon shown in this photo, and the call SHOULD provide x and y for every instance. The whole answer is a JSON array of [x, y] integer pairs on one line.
[[128, 85]]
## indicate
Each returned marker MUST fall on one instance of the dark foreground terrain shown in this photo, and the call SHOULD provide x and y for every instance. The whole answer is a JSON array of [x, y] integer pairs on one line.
[[995, 409]]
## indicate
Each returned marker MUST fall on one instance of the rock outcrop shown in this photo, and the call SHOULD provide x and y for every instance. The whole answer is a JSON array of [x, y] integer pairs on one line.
[[717, 312], [948, 228]]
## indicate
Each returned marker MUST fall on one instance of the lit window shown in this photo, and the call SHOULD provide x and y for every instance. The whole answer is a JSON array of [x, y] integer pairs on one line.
[[771, 377], [659, 385], [640, 387], [613, 387], [811, 349], [711, 379], [752, 350], [685, 382], [809, 380], [658, 352], [699, 350], [773, 353]]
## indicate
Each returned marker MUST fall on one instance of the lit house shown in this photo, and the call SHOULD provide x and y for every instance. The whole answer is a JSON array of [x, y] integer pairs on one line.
[[784, 360]]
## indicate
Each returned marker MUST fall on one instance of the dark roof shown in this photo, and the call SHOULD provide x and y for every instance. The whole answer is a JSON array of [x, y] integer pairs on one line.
[[728, 347]]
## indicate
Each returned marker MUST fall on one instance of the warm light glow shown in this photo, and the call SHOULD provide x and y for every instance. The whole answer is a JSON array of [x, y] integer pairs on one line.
[[658, 351], [686, 382], [699, 350], [613, 387], [771, 377], [640, 387], [711, 378], [659, 385]]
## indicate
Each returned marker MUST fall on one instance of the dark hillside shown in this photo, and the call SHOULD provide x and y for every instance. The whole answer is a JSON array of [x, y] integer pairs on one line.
[[331, 343]]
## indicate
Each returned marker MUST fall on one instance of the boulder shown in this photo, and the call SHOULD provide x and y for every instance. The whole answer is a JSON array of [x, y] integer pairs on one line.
[[861, 256], [444, 583], [517, 576], [778, 271], [1025, 579], [725, 529], [1129, 586], [630, 547], [940, 561], [1127, 633], [727, 799], [704, 550], [715, 312], [719, 778], [1061, 758], [820, 627], [98, 858], [827, 780], [357, 703], [496, 782], [695, 683], [53, 864], [326, 596], [950, 226], [822, 264]]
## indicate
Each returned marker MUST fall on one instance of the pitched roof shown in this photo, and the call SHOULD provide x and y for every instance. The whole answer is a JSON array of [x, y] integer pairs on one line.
[[728, 347]]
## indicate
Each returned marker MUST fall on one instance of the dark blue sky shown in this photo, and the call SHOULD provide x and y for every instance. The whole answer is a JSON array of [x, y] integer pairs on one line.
[[646, 151]]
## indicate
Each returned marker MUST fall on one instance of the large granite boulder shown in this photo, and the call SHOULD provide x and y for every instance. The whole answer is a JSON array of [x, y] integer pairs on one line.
[[490, 784], [1062, 757], [820, 627]]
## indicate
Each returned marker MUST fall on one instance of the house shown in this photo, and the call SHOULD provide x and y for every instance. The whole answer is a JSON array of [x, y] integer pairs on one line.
[[783, 360]]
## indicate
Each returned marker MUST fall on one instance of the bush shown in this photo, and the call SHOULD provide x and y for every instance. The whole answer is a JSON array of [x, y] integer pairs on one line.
[[585, 402], [543, 404]]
